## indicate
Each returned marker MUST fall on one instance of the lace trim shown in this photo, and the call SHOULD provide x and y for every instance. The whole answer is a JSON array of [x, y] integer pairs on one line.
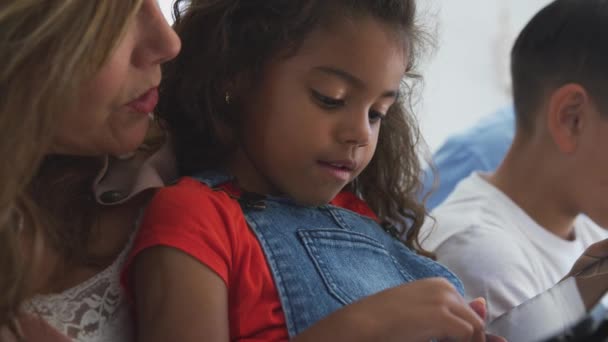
[[94, 310]]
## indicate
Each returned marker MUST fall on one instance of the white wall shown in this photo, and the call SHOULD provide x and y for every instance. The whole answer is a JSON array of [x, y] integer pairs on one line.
[[467, 75], [165, 6]]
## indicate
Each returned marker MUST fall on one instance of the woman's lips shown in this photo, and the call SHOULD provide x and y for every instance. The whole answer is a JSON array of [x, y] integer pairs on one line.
[[146, 102]]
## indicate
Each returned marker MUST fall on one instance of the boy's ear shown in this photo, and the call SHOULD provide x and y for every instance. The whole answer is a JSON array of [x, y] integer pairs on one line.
[[567, 115]]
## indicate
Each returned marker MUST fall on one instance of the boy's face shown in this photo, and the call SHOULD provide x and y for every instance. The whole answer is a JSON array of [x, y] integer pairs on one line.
[[312, 124], [591, 157]]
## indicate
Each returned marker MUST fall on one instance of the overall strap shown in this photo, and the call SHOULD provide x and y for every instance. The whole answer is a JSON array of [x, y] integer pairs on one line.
[[213, 178]]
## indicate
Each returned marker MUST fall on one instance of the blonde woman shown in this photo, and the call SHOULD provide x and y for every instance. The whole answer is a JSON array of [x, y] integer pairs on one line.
[[77, 81]]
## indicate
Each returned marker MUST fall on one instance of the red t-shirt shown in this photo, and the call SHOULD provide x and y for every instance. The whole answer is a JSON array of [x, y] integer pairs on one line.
[[209, 225]]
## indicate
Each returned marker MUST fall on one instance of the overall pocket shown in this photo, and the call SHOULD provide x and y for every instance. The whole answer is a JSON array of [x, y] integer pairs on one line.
[[352, 265]]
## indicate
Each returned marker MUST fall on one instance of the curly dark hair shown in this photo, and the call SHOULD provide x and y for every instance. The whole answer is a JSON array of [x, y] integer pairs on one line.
[[226, 43]]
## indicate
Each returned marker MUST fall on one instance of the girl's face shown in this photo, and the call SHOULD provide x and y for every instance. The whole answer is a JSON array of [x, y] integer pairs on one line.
[[111, 115], [312, 124]]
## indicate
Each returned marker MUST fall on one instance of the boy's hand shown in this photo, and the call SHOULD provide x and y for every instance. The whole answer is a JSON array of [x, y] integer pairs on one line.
[[592, 254], [591, 273]]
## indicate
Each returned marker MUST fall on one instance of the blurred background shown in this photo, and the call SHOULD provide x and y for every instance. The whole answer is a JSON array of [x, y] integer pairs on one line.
[[467, 73]]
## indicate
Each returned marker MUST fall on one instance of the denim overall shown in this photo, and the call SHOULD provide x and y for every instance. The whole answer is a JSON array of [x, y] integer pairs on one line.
[[323, 258]]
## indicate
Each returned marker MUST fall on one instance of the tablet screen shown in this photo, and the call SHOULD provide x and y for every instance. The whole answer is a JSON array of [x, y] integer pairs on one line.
[[559, 311]]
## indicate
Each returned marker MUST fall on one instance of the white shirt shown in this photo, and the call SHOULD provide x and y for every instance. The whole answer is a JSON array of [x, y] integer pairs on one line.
[[496, 249]]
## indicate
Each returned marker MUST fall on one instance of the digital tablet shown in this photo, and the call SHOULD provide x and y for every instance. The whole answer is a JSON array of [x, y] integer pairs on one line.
[[557, 314]]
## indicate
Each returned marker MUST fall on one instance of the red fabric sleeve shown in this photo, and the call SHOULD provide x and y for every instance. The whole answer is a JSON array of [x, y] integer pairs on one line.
[[192, 218]]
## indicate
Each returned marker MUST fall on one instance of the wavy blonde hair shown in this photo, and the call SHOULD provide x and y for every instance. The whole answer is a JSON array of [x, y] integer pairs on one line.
[[48, 49]]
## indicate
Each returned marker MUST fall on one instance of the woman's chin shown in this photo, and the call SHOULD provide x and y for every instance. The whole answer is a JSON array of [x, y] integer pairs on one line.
[[128, 141]]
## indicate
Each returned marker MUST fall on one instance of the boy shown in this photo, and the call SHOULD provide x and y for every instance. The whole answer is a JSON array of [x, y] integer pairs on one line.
[[514, 233]]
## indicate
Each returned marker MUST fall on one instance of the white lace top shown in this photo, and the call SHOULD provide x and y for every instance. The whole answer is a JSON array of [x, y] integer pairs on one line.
[[93, 311], [97, 309]]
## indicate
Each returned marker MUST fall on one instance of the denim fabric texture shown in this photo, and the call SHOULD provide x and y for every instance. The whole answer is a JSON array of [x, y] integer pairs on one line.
[[323, 258]]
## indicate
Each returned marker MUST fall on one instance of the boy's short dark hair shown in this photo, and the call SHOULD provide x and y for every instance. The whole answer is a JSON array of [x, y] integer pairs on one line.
[[566, 42]]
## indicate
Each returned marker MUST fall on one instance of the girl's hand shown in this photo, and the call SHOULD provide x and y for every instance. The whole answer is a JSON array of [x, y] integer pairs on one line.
[[419, 311], [479, 306]]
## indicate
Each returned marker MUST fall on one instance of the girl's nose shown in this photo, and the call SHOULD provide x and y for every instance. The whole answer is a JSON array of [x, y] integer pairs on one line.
[[355, 129]]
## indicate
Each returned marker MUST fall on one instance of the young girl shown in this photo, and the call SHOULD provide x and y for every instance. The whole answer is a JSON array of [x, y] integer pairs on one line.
[[288, 120]]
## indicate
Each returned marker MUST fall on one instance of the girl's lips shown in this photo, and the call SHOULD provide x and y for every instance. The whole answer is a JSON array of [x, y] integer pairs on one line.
[[146, 102], [341, 171]]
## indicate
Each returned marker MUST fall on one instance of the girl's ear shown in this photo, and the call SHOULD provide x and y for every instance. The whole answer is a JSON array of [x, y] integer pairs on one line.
[[234, 89], [567, 116], [233, 93]]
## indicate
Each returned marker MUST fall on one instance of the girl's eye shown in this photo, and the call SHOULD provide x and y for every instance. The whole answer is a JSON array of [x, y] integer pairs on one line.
[[375, 116], [326, 101]]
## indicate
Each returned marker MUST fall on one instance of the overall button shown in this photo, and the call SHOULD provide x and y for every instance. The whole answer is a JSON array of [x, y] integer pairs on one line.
[[112, 196], [392, 230], [253, 201]]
